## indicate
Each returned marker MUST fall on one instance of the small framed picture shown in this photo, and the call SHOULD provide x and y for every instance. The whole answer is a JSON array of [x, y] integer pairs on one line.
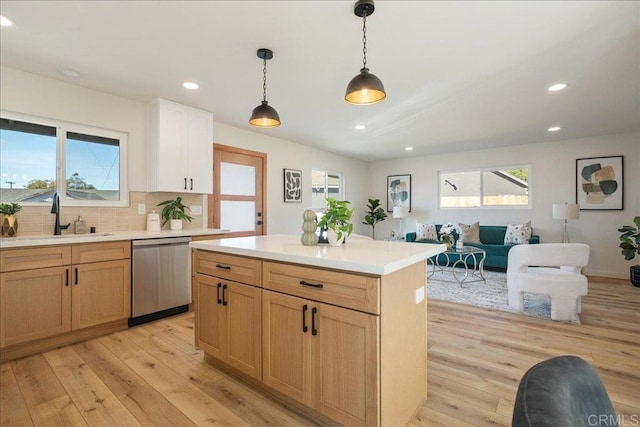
[[600, 183], [292, 186], [399, 192]]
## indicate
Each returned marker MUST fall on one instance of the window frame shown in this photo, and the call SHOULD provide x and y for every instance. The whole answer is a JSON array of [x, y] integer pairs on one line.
[[327, 172], [62, 127], [481, 171]]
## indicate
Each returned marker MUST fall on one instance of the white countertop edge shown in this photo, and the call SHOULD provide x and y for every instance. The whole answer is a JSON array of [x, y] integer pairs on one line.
[[420, 253], [49, 240]]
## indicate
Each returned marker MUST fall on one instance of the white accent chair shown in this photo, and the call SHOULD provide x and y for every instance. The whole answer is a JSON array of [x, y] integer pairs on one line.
[[550, 269]]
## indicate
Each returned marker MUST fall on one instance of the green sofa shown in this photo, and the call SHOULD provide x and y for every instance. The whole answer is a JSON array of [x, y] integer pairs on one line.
[[492, 238]]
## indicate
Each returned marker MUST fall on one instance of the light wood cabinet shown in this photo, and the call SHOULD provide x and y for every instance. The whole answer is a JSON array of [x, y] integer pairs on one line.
[[180, 148]]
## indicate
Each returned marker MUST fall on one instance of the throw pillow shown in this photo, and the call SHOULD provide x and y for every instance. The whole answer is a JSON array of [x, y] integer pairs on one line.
[[426, 231], [470, 233], [518, 234]]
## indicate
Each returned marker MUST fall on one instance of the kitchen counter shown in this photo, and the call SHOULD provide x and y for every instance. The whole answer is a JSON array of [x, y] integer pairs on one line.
[[66, 239], [359, 254]]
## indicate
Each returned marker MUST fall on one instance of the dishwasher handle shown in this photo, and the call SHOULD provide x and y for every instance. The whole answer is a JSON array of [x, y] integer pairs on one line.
[[162, 241]]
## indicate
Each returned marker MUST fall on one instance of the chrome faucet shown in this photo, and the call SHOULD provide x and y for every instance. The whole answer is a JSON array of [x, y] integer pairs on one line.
[[55, 209]]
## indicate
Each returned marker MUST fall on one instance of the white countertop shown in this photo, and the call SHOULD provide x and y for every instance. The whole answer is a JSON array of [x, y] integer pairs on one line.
[[66, 239], [359, 254]]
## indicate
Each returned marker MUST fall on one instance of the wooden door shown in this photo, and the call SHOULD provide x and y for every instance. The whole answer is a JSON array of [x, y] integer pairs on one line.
[[242, 327], [208, 309], [34, 304], [345, 351], [286, 338], [239, 191], [101, 293]]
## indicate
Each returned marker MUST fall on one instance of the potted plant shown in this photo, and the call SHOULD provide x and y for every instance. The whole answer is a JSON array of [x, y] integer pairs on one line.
[[446, 234], [375, 215], [630, 245], [10, 222], [174, 211], [336, 220]]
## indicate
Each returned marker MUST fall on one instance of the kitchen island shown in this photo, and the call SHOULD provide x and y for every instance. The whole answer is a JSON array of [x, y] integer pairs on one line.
[[338, 331]]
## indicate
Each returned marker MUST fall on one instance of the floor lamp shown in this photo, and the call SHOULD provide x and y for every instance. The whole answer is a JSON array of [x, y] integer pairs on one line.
[[398, 213], [565, 211]]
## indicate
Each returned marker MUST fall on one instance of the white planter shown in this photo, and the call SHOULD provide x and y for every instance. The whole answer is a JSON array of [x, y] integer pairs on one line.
[[332, 238], [176, 224]]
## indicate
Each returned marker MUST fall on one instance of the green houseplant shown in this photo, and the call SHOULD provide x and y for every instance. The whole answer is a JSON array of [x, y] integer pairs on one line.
[[336, 220], [630, 245], [10, 222], [374, 215], [175, 212]]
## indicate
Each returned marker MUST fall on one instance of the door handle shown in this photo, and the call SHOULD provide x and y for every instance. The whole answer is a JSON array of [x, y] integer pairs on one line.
[[66, 271], [314, 331], [304, 318], [224, 300], [191, 184], [223, 267], [313, 285], [76, 278], [185, 183], [218, 293], [259, 223]]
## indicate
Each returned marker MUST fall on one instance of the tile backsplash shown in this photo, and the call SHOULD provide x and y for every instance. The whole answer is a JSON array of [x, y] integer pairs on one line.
[[38, 220]]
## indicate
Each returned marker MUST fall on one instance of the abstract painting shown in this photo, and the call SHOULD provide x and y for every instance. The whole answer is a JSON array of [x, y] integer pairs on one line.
[[599, 183], [292, 186], [399, 192]]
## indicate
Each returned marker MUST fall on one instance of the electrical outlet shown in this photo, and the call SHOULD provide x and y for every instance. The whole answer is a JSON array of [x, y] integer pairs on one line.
[[142, 209], [419, 294], [196, 210]]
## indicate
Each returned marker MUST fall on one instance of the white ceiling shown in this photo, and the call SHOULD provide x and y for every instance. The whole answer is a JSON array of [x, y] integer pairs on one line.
[[459, 75]]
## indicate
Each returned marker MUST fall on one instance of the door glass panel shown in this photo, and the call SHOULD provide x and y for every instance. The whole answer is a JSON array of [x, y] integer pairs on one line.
[[237, 216], [238, 180]]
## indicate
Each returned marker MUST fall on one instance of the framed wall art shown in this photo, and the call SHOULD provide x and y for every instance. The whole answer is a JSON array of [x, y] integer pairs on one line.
[[600, 183], [399, 192], [292, 186]]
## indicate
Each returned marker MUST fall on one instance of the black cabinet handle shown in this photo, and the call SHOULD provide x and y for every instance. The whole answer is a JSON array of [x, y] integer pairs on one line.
[[218, 293], [314, 285], [304, 318], [314, 331], [223, 267], [76, 278], [191, 184], [185, 183], [66, 283], [224, 300]]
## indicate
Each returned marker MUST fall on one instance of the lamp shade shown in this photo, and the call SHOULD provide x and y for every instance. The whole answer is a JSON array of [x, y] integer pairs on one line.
[[365, 89], [398, 212], [264, 116], [566, 211]]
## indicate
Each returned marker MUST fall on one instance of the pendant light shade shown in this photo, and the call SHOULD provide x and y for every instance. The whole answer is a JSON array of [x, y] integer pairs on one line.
[[264, 115], [365, 88]]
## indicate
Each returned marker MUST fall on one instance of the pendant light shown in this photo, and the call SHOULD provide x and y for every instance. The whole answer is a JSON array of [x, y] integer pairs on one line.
[[365, 88], [264, 115]]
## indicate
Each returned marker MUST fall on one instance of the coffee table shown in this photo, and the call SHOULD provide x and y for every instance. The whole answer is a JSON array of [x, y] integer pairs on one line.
[[461, 257]]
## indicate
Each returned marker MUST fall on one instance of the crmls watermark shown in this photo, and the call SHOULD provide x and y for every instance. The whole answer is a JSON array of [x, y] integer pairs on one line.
[[613, 420]]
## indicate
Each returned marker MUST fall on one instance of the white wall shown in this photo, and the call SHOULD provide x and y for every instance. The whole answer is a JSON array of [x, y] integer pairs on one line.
[[553, 179]]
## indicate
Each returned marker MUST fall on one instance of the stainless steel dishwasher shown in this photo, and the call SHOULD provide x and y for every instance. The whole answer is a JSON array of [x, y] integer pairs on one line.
[[161, 282]]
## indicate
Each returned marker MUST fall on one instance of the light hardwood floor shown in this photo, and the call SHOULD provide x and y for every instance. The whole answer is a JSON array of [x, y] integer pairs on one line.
[[152, 375]]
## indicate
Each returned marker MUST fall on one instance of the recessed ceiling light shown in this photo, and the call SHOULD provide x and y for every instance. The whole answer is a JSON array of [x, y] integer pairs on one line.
[[71, 73], [360, 127], [190, 85], [408, 148], [554, 129], [557, 87], [5, 22]]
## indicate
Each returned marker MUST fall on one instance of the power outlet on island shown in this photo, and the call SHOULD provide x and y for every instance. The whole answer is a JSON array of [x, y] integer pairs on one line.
[[419, 294]]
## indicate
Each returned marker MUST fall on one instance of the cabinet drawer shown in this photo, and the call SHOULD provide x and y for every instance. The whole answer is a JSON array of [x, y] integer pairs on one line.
[[232, 267], [333, 287], [28, 258], [95, 252]]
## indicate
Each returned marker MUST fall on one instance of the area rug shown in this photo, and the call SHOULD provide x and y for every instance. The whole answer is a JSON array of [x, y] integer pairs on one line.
[[492, 294]]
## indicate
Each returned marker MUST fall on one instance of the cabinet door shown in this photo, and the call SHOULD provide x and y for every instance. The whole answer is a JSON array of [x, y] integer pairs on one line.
[[208, 307], [345, 350], [200, 152], [242, 321], [286, 338], [101, 293], [34, 304]]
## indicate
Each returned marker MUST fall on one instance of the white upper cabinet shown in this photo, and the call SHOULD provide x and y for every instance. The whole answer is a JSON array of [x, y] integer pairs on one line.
[[180, 147]]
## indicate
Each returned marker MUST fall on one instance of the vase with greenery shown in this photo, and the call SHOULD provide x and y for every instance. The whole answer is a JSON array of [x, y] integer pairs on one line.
[[174, 211], [630, 245], [9, 222], [374, 215], [336, 220]]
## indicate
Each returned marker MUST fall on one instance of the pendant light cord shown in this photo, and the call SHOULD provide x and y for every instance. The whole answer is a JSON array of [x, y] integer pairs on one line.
[[264, 80], [364, 38]]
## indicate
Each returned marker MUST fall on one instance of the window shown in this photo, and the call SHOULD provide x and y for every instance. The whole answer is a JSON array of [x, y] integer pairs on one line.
[[325, 184], [492, 187], [85, 165]]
